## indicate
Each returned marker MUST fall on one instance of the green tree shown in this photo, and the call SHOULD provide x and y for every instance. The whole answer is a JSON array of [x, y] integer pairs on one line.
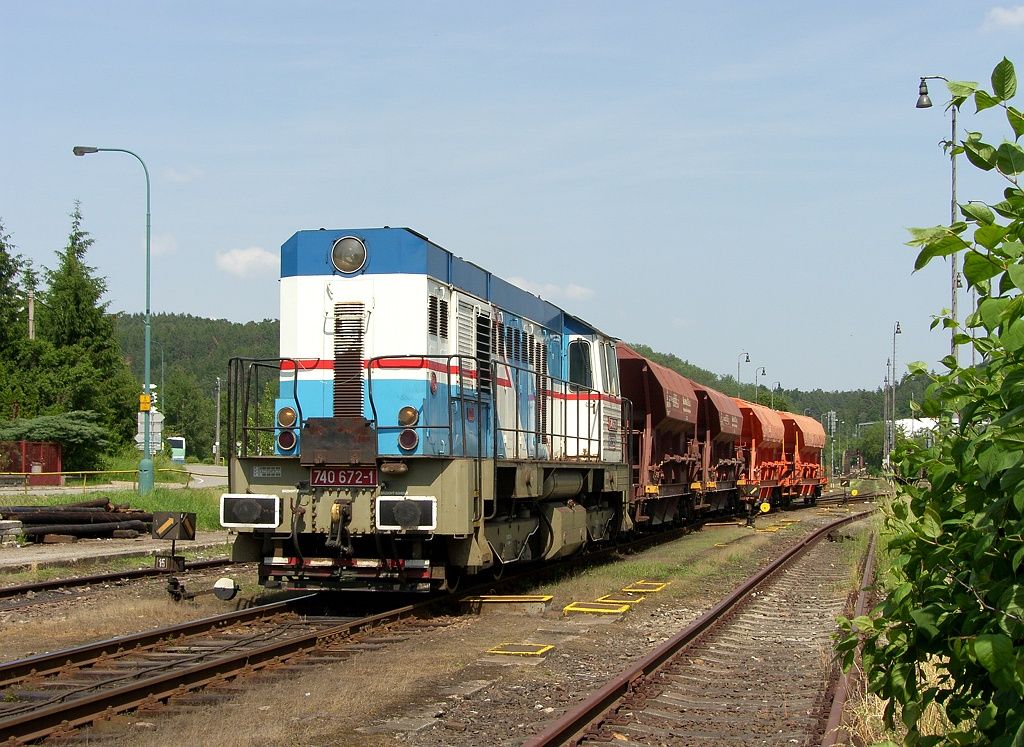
[[75, 312], [189, 409], [82, 437], [88, 372], [12, 325], [957, 602]]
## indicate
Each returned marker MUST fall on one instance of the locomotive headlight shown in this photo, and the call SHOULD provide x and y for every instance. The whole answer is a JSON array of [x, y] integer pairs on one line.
[[408, 417], [286, 417], [348, 254]]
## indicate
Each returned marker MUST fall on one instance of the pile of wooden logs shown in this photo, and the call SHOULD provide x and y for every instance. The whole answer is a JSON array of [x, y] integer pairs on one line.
[[96, 518]]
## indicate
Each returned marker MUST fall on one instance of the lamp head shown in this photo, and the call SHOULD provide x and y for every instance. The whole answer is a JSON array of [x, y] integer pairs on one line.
[[747, 359], [898, 330], [81, 150], [923, 102]]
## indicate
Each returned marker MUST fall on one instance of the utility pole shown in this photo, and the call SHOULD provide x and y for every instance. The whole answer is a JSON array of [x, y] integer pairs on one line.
[[31, 315], [216, 438]]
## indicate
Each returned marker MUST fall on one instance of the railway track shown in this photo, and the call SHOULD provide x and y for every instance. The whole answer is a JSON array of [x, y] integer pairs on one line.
[[753, 670], [54, 693], [19, 592]]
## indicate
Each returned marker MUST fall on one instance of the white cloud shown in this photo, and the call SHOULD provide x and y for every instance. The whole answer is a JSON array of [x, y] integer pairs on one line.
[[552, 292], [164, 243], [183, 175], [1004, 18], [247, 262]]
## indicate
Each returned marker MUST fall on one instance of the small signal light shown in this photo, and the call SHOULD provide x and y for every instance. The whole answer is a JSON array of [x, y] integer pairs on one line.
[[286, 417], [408, 439]]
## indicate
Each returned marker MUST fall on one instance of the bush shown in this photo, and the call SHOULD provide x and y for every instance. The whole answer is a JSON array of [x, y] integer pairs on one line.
[[956, 602]]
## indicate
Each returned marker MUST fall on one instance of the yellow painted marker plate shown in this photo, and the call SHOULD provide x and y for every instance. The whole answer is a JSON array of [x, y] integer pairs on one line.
[[611, 600], [643, 587], [596, 608], [521, 649], [510, 598]]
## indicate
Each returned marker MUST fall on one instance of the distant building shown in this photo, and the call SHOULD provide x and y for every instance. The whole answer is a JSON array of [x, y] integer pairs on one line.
[[911, 427]]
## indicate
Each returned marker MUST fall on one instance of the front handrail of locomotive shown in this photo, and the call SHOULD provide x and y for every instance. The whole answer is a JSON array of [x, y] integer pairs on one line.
[[458, 369], [244, 378], [380, 363]]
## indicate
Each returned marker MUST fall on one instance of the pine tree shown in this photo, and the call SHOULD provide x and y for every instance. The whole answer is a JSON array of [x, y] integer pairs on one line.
[[87, 370], [74, 313], [11, 300]]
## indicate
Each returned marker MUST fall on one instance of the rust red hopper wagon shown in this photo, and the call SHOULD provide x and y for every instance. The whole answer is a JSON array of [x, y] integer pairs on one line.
[[696, 449]]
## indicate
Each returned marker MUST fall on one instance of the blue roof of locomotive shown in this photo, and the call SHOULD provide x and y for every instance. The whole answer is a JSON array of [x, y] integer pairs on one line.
[[404, 251]]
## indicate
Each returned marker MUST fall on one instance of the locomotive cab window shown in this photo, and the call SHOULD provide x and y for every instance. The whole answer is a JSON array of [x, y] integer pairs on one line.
[[581, 372]]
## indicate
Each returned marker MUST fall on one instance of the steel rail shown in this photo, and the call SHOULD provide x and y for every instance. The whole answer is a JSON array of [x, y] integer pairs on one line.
[[45, 721], [576, 721], [43, 664], [846, 682], [102, 578]]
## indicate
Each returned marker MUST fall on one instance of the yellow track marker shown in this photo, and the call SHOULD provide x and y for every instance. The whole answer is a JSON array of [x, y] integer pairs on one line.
[[521, 649], [510, 598], [596, 608], [611, 600], [643, 587]]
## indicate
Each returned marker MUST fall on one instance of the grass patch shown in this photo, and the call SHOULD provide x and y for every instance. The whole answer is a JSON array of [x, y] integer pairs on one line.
[[204, 502], [686, 563]]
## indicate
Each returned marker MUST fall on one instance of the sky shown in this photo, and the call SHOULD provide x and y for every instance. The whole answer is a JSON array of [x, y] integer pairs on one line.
[[709, 179]]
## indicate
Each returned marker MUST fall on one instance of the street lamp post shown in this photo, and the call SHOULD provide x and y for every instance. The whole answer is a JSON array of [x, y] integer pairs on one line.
[[775, 385], [740, 358], [756, 370], [924, 102], [146, 463]]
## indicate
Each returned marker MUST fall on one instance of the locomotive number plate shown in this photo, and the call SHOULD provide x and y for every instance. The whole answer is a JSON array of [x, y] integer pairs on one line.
[[343, 477]]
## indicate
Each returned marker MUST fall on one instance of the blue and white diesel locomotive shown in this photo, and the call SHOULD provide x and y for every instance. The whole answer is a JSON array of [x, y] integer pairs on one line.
[[425, 420]]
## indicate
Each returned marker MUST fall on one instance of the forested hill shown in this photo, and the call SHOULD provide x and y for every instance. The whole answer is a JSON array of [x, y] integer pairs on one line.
[[192, 344]]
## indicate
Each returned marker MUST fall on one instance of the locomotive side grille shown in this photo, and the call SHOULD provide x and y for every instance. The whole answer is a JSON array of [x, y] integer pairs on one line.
[[483, 351], [465, 342], [432, 315], [542, 391], [348, 359], [442, 321]]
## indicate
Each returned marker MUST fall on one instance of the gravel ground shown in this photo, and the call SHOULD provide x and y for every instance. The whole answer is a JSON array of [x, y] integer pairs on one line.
[[439, 686]]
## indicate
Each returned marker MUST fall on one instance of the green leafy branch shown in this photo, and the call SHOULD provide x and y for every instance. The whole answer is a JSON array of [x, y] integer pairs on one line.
[[949, 633]]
